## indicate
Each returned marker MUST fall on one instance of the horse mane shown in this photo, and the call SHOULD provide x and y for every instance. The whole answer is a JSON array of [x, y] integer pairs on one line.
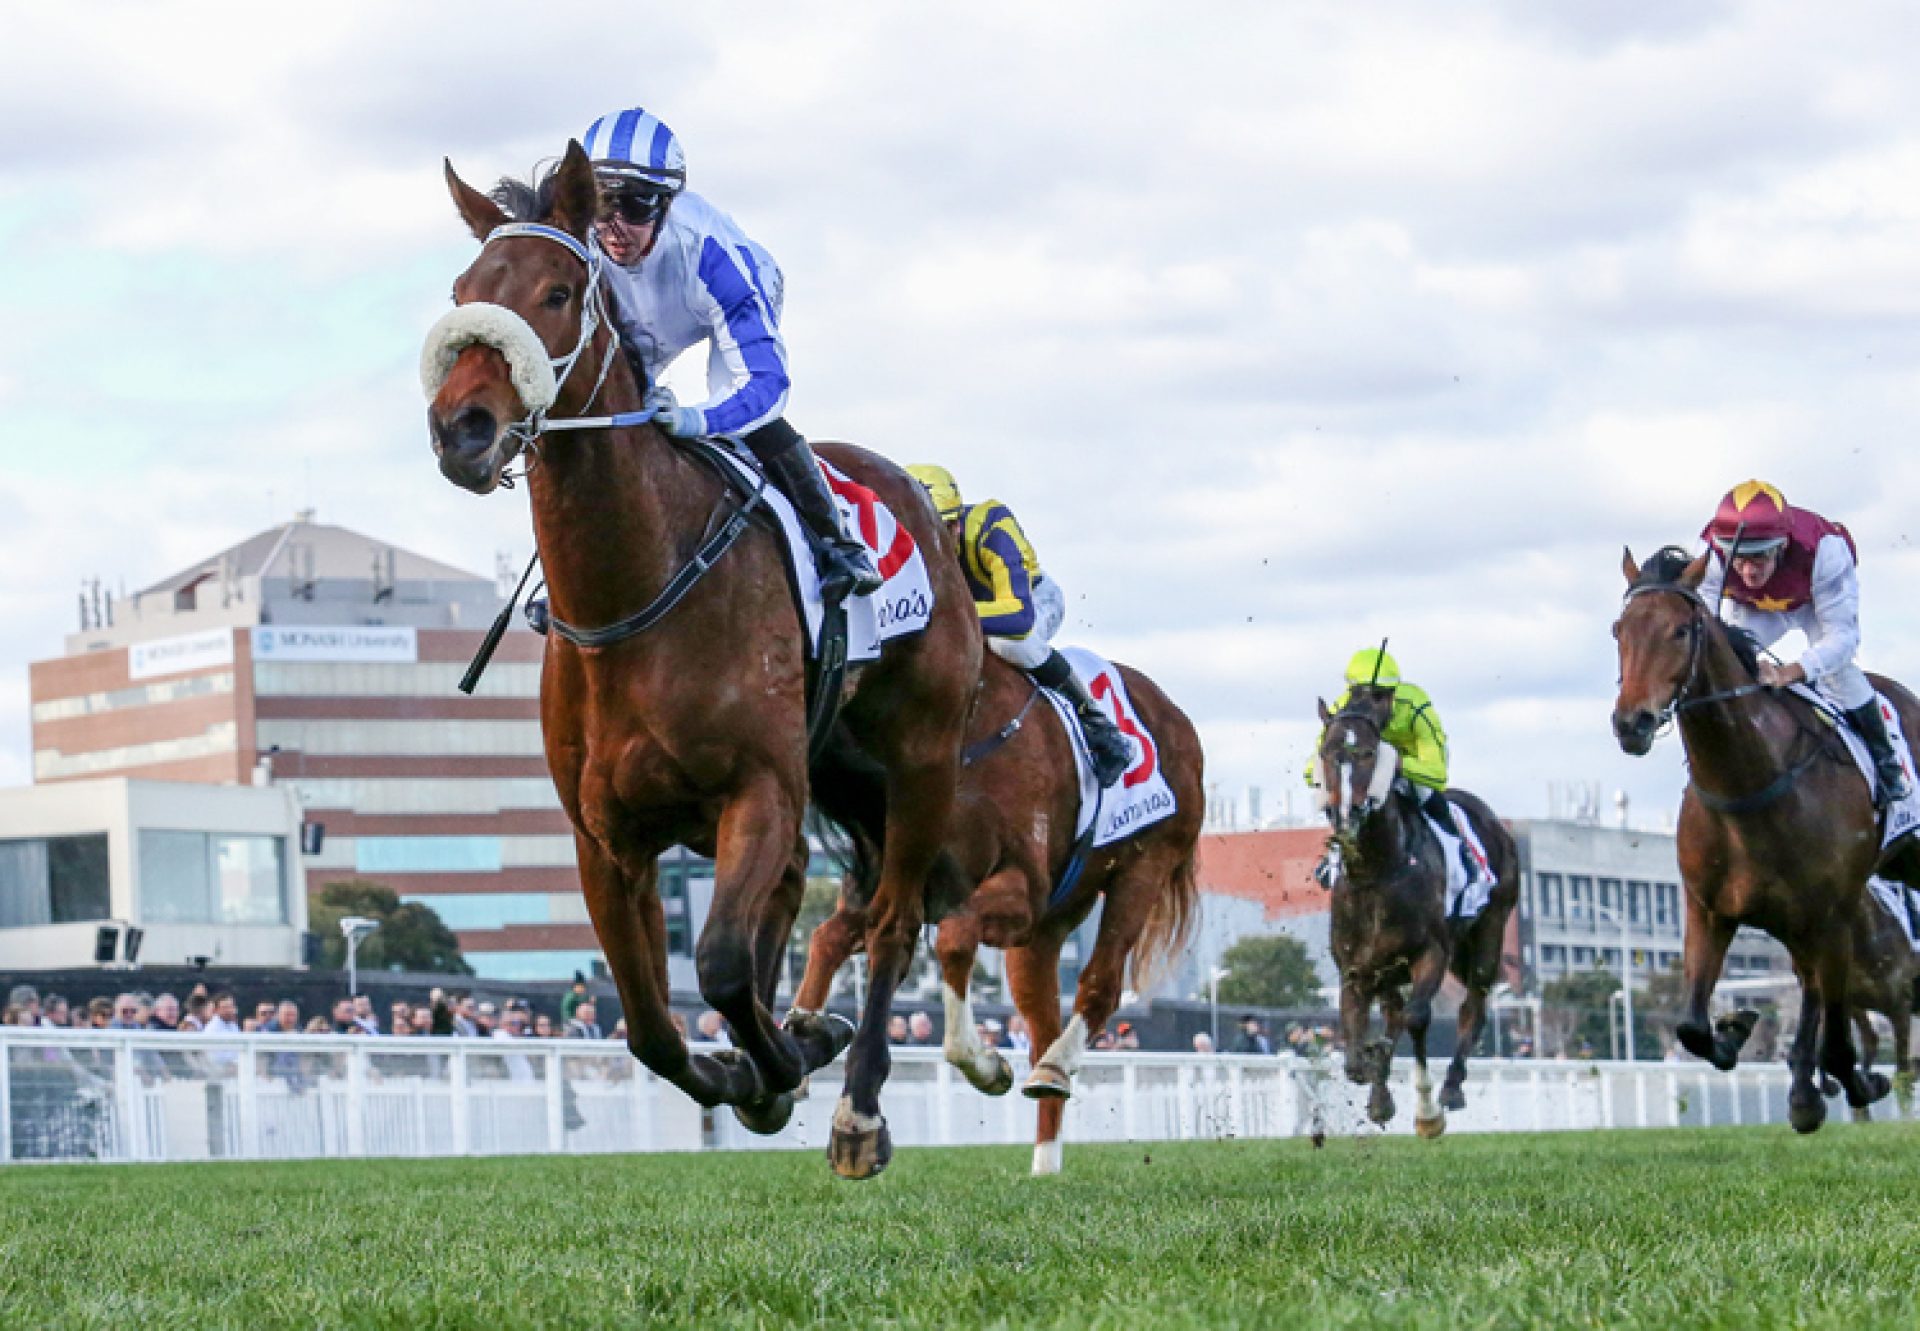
[[1663, 569], [529, 200]]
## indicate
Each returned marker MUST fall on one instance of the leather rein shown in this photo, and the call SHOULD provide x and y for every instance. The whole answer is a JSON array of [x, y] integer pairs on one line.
[[1685, 699]]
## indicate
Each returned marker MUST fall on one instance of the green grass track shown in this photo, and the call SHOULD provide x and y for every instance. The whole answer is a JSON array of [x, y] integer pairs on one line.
[[1735, 1228]]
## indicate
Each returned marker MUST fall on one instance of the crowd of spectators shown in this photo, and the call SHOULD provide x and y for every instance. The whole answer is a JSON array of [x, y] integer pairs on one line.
[[217, 1012]]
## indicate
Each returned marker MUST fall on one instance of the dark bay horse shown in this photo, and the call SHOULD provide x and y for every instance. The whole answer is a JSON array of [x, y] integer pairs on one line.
[[1392, 939], [1013, 835], [694, 731], [1777, 826], [1885, 973]]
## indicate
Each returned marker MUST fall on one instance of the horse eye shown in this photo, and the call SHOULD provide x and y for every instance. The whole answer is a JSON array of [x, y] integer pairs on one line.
[[1682, 633], [559, 296]]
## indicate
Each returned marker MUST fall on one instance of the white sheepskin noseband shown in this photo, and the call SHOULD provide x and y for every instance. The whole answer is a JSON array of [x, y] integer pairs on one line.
[[498, 327], [1386, 765]]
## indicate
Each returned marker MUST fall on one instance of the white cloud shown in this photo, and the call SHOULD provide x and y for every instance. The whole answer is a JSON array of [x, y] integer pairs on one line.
[[1283, 328]]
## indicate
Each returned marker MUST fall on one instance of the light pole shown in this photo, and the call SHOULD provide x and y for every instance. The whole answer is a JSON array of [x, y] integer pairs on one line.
[[1215, 974], [1626, 970], [355, 928]]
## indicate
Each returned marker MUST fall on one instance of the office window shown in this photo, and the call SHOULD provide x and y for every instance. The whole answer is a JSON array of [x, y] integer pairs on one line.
[[1580, 899], [1548, 889], [1583, 956], [54, 880], [1610, 897], [212, 878], [427, 854], [1666, 898], [1639, 903]]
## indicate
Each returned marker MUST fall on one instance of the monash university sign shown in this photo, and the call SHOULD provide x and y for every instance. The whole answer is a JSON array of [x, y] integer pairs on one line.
[[175, 656], [360, 642]]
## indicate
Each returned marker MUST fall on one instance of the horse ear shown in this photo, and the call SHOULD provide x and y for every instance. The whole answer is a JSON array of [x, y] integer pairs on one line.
[[1696, 572], [1326, 717], [481, 214], [1628, 566], [575, 197]]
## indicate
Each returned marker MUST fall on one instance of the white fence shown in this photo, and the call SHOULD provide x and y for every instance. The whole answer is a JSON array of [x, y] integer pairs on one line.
[[133, 1096]]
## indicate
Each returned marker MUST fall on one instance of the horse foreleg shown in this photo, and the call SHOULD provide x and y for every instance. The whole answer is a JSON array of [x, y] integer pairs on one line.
[[1429, 971], [1393, 1018], [1708, 937], [1356, 1014], [1869, 1045], [754, 880], [919, 805], [957, 945], [624, 905], [1806, 1107], [1033, 972]]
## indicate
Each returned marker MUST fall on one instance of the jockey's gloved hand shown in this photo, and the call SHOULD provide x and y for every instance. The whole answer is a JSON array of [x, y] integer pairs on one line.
[[681, 422]]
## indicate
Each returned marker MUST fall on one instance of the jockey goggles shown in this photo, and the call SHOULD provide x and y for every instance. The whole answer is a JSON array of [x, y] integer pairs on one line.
[[1749, 547], [634, 206]]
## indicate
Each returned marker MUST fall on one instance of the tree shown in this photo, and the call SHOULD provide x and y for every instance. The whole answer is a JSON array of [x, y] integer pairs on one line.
[[1269, 971], [411, 937]]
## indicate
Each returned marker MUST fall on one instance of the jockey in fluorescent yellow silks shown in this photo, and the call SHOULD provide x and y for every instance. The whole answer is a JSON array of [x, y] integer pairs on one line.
[[1412, 726], [1021, 608]]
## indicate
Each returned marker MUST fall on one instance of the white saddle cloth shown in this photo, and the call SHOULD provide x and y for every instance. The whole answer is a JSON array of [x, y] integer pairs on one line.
[[1894, 897], [903, 605], [1903, 817], [1467, 894], [1142, 796]]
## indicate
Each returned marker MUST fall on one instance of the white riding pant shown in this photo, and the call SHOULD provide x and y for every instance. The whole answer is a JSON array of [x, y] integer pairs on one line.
[[1049, 613]]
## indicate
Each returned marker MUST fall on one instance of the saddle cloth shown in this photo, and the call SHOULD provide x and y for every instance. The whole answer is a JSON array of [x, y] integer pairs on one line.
[[1140, 798], [1467, 894], [903, 605], [1893, 896], [1903, 817]]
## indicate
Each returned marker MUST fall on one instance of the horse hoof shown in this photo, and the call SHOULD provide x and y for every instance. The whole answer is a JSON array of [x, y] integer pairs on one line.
[[858, 1153], [1046, 1083], [1380, 1106], [1698, 1041], [823, 1035], [1002, 1080], [1868, 1088], [767, 1116], [1430, 1127], [1807, 1116], [1452, 1097]]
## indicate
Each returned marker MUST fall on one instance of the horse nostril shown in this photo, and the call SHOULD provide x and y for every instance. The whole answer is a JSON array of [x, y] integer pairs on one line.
[[472, 429]]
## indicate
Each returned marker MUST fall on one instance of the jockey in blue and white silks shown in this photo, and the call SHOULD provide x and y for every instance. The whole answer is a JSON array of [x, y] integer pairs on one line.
[[684, 273]]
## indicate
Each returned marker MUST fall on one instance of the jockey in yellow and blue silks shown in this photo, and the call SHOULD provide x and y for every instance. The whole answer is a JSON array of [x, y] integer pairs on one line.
[[1413, 728], [1021, 608]]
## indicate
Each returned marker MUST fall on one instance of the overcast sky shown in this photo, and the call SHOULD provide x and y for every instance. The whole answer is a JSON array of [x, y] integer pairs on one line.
[[1283, 328]]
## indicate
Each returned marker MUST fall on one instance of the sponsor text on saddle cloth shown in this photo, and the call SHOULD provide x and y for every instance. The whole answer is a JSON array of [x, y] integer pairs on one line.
[[1904, 817], [1895, 898], [903, 605], [1142, 796]]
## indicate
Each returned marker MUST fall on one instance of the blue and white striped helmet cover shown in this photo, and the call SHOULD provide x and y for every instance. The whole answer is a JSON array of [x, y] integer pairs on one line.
[[637, 144]]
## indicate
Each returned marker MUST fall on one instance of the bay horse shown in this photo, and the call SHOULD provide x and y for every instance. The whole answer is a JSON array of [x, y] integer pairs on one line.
[[1013, 835], [1885, 974], [1777, 826], [694, 731], [1393, 941]]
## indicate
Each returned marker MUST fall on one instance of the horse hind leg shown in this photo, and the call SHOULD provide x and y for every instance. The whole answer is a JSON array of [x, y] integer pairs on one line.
[[1837, 1057], [1869, 1051], [1806, 1106], [956, 945]]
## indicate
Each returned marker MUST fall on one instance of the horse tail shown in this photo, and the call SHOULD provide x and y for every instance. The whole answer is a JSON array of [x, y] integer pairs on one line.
[[1170, 922]]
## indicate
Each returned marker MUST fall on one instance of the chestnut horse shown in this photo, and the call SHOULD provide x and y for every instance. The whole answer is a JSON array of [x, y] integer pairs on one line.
[[1777, 825], [1392, 938], [694, 731], [1013, 834]]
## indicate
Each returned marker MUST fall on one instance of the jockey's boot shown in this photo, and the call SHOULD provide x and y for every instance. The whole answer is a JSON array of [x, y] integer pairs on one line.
[[845, 567], [1112, 755], [1441, 812], [1891, 786]]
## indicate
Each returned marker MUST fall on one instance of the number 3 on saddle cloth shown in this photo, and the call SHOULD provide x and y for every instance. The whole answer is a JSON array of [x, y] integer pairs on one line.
[[903, 605], [1142, 796]]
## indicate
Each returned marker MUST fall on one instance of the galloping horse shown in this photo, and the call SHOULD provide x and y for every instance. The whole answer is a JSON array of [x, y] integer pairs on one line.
[[1884, 978], [694, 730], [1777, 826], [1392, 938], [1013, 834]]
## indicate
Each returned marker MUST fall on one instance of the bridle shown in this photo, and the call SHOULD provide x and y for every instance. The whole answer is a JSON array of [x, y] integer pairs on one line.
[[1685, 699], [1365, 806]]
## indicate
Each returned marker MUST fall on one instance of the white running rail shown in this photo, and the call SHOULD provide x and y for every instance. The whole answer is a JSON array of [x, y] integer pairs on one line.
[[131, 1096]]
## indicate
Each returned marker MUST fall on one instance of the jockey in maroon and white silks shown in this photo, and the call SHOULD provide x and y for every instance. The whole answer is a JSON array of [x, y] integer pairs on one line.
[[1778, 568]]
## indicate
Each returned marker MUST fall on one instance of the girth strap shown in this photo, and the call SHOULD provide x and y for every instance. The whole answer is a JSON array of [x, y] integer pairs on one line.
[[1771, 793]]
